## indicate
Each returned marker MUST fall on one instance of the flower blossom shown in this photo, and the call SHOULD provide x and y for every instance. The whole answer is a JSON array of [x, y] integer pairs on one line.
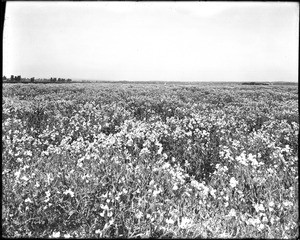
[[69, 192], [56, 234], [233, 182]]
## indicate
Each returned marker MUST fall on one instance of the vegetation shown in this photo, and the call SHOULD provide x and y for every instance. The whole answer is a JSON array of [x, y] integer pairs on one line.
[[152, 160], [255, 83], [19, 79]]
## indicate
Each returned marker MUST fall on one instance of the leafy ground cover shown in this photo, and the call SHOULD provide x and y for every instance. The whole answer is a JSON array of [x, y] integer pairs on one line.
[[150, 160]]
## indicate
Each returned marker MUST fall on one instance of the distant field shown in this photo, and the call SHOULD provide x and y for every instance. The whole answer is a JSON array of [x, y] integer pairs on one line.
[[209, 160], [161, 82]]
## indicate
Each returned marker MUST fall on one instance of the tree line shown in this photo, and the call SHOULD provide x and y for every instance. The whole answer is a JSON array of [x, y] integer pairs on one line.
[[32, 79]]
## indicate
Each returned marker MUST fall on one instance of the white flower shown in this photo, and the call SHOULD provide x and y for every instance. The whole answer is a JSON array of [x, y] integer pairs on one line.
[[205, 190], [56, 234], [156, 192], [151, 182], [252, 159], [144, 150], [109, 214], [166, 165], [67, 235], [47, 197], [28, 200], [48, 193], [265, 219], [111, 221], [69, 192], [212, 192], [253, 221], [286, 149], [139, 215], [204, 132], [169, 221], [259, 207], [287, 203], [271, 204], [98, 231], [232, 213], [106, 194], [45, 153], [18, 173], [185, 223], [196, 184], [261, 227], [25, 167], [104, 207], [24, 178], [233, 182], [49, 178], [160, 150], [175, 187], [242, 159], [129, 142], [28, 153]]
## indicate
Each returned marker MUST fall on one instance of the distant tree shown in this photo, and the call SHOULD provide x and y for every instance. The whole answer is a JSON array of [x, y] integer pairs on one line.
[[61, 80], [4, 78], [12, 78], [254, 83], [69, 80], [32, 79], [18, 78]]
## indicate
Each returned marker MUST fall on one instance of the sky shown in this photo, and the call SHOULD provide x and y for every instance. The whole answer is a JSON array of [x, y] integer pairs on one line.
[[152, 41]]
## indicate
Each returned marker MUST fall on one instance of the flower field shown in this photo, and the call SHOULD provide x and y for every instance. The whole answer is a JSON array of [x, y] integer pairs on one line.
[[150, 160]]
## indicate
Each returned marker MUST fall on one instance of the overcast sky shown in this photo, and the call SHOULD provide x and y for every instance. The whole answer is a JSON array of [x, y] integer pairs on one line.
[[169, 41]]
